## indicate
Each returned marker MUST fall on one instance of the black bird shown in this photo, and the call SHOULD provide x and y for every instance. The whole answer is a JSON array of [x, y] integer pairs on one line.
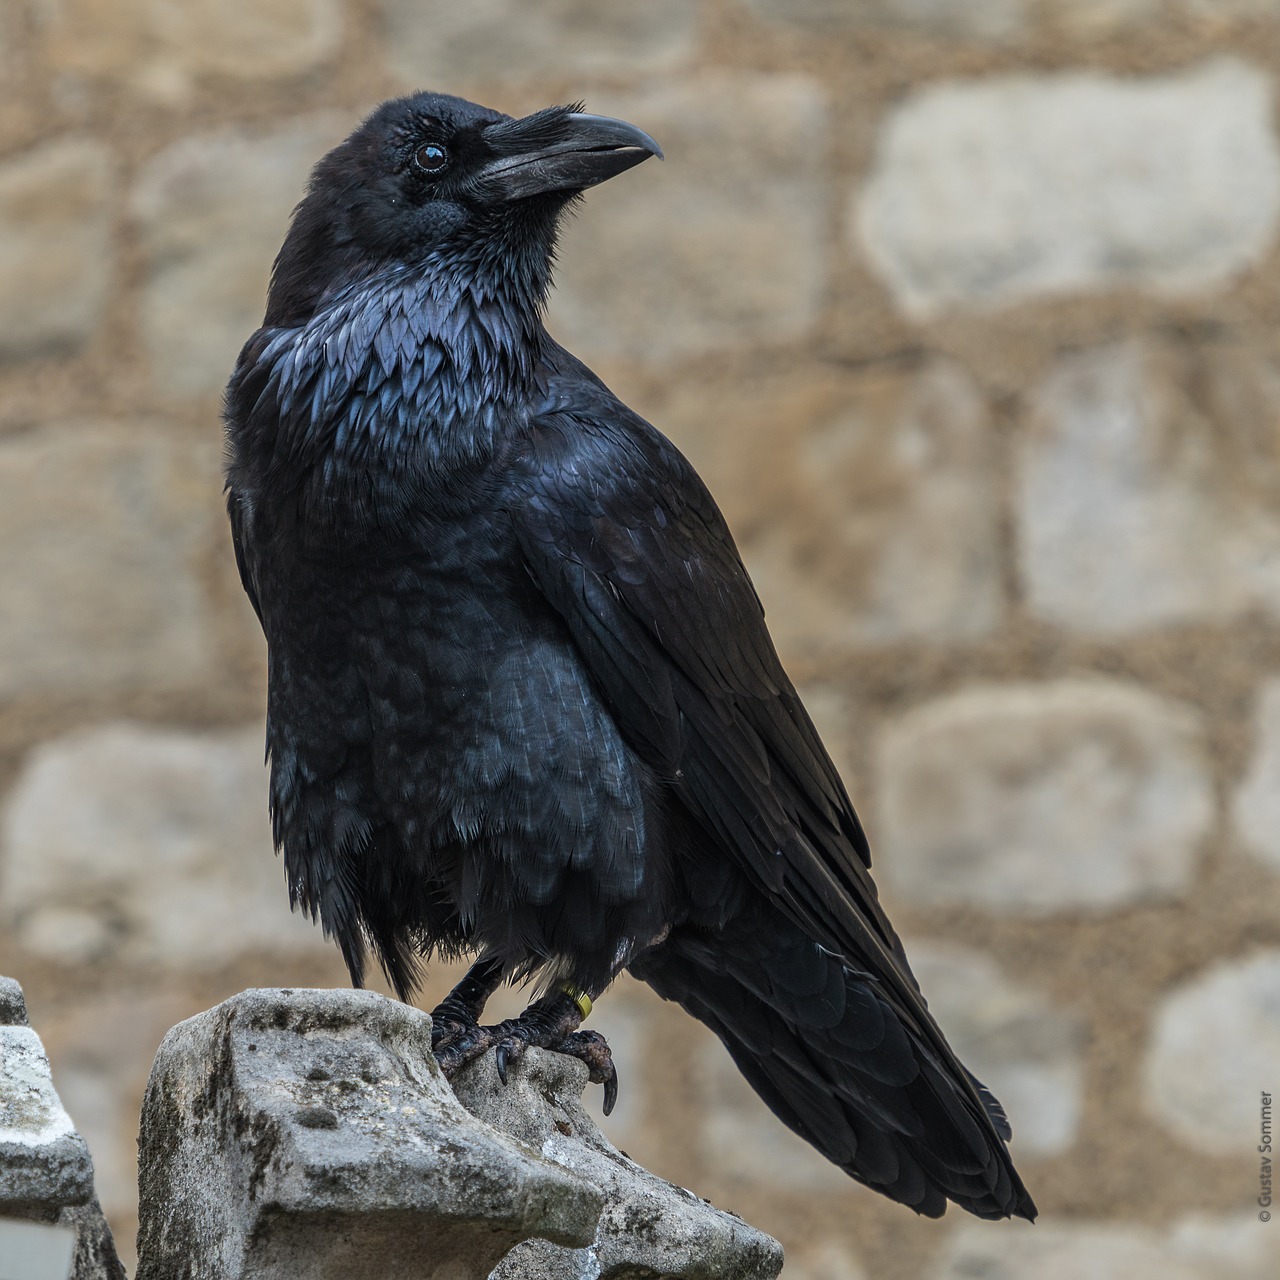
[[522, 702]]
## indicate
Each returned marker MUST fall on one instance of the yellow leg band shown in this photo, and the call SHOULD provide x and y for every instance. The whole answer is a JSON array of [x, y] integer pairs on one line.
[[581, 999]]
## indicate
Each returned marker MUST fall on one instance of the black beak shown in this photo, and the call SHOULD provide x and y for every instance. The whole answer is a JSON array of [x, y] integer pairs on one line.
[[569, 151]]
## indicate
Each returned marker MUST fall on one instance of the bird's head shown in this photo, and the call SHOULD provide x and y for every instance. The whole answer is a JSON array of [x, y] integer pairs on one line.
[[439, 182]]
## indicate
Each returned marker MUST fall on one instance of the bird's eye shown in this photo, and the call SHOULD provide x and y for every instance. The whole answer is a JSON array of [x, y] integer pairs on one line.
[[431, 157]]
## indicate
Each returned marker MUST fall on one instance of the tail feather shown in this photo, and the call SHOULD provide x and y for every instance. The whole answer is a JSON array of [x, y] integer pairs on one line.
[[993, 1107], [836, 1060]]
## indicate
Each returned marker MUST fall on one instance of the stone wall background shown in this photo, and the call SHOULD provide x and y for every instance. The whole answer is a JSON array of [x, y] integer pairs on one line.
[[966, 311]]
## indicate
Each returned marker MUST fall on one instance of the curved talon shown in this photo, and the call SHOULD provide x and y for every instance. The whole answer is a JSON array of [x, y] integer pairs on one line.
[[610, 1089], [508, 1051], [592, 1048]]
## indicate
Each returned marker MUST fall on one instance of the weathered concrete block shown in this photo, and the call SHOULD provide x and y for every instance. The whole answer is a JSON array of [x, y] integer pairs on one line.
[[649, 1227], [438, 45], [1196, 1247], [1145, 489], [157, 48], [1225, 12], [1256, 804], [104, 525], [56, 252], [1214, 1045], [986, 20], [310, 1134], [826, 1260], [1040, 798], [130, 842], [43, 1161], [1011, 188], [13, 1007], [48, 1212]]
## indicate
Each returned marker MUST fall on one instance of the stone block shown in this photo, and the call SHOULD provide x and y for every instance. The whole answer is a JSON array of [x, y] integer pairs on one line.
[[310, 1134], [864, 505], [43, 1161], [104, 527], [57, 253], [1095, 18], [1256, 804], [1073, 795], [1196, 1247], [154, 47], [10, 20], [1021, 187], [721, 245], [991, 22], [49, 1216], [212, 211], [1147, 487], [1214, 1045], [438, 46], [146, 845], [829, 1261], [1223, 12], [1024, 1048], [983, 20], [648, 1227], [13, 1007]]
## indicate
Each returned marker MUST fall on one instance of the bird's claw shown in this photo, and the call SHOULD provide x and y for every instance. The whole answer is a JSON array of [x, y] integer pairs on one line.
[[508, 1051], [610, 1089], [593, 1049], [553, 1028], [589, 1047]]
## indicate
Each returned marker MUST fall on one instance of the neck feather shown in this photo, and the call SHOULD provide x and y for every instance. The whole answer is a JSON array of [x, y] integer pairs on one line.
[[423, 362]]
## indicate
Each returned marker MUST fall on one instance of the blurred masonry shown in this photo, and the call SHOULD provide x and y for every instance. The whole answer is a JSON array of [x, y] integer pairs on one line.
[[966, 310]]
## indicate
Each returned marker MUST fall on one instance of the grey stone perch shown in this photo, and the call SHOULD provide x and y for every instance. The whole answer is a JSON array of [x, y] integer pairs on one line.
[[649, 1227], [309, 1135], [50, 1223]]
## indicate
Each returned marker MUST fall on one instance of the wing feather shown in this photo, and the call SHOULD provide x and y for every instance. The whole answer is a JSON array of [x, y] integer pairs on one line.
[[628, 545], [626, 542]]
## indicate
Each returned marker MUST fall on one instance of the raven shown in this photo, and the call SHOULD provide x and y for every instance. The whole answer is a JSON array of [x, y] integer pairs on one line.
[[522, 703]]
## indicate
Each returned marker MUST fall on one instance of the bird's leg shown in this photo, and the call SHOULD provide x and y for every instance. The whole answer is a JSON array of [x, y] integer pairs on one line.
[[457, 1017], [549, 1023]]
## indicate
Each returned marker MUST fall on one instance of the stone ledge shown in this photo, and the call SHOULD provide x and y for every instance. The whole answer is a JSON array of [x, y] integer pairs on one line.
[[48, 1210], [310, 1134], [649, 1227]]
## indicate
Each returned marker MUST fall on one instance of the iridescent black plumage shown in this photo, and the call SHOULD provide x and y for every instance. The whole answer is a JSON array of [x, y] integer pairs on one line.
[[522, 700]]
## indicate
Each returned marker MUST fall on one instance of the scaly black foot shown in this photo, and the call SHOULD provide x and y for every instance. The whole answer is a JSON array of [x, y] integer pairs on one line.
[[593, 1049], [550, 1023], [447, 1030], [457, 1016]]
